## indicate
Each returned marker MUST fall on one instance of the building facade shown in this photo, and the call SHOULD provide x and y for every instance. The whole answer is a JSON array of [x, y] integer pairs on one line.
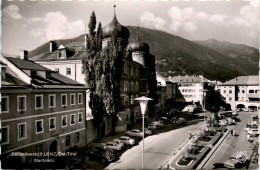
[[189, 89], [41, 112], [241, 92]]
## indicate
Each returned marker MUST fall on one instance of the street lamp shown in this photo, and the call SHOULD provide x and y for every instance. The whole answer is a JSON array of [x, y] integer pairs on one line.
[[143, 103], [204, 90]]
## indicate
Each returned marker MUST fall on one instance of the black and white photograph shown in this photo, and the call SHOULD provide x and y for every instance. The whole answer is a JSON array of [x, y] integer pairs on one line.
[[129, 84]]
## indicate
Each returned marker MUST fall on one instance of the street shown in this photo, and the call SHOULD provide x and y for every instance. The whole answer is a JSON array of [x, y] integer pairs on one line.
[[232, 144], [158, 149]]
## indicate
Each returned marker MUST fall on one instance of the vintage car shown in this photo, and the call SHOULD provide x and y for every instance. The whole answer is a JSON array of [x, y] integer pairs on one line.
[[127, 140], [113, 145], [119, 142], [99, 153], [135, 133], [146, 131]]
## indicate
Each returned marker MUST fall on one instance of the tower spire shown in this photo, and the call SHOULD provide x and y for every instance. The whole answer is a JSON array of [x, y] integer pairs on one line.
[[114, 8], [138, 38]]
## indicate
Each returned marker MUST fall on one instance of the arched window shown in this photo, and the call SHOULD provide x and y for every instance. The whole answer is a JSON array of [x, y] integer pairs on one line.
[[132, 86], [136, 86], [132, 99], [126, 101], [125, 85]]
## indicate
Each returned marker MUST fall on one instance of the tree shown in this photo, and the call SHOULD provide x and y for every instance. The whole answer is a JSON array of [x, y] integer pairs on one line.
[[102, 75], [214, 101]]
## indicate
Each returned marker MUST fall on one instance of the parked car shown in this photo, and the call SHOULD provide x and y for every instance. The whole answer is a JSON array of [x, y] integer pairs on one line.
[[234, 113], [231, 121], [223, 122], [152, 127], [100, 154], [119, 142], [233, 162], [181, 121], [251, 127], [135, 133], [165, 120], [146, 131], [253, 132], [236, 118], [158, 124], [226, 114], [127, 140], [113, 145]]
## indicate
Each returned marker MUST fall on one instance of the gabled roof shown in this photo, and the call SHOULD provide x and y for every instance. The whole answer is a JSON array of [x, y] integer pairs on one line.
[[186, 79], [12, 80], [243, 80], [26, 64]]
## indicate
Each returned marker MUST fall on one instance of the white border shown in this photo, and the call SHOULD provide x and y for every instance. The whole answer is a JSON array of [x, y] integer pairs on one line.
[[40, 95], [25, 131], [39, 120], [7, 97], [73, 94], [8, 139], [49, 97], [66, 100], [20, 96], [54, 123], [62, 121]]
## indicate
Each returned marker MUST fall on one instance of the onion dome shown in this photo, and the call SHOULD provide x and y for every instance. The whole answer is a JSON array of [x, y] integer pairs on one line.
[[138, 45], [121, 31]]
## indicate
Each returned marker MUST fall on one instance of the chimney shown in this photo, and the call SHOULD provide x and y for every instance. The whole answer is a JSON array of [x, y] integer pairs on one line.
[[23, 54], [52, 46], [3, 72]]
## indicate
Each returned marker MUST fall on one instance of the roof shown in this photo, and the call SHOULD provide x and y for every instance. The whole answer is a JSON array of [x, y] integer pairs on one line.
[[186, 79], [53, 80], [243, 80], [12, 80], [26, 64]]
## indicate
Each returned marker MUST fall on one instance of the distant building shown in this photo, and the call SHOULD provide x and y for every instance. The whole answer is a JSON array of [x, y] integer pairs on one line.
[[189, 89], [160, 91], [241, 92], [41, 111]]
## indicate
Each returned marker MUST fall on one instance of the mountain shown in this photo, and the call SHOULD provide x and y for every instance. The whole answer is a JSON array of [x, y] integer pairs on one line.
[[176, 55], [246, 57]]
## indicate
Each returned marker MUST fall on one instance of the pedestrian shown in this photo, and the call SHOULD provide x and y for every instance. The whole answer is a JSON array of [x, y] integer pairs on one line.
[[231, 132], [248, 137], [190, 134], [234, 133]]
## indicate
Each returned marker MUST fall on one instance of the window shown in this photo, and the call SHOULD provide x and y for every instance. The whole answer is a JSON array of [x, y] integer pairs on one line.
[[72, 99], [126, 100], [4, 104], [67, 140], [38, 102], [5, 135], [136, 86], [256, 91], [251, 91], [230, 98], [52, 123], [132, 71], [72, 119], [132, 99], [21, 131], [230, 91], [80, 98], [39, 126], [52, 100], [39, 148], [57, 69], [224, 91], [243, 91], [132, 86], [77, 137], [64, 121], [80, 117], [125, 85], [64, 100], [21, 103], [68, 71]]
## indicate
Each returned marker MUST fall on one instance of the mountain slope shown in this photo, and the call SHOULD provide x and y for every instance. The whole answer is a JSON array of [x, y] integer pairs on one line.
[[246, 57], [175, 55]]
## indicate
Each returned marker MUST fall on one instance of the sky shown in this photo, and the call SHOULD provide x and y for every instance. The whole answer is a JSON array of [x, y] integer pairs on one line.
[[28, 24]]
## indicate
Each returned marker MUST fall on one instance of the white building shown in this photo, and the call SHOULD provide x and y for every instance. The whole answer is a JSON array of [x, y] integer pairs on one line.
[[189, 89], [241, 92]]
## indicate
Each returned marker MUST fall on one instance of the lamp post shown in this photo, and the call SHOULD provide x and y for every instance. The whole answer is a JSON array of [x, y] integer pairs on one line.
[[143, 103], [204, 91]]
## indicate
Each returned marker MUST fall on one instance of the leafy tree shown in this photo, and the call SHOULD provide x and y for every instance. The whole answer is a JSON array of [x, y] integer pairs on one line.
[[102, 75], [214, 101], [92, 24]]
